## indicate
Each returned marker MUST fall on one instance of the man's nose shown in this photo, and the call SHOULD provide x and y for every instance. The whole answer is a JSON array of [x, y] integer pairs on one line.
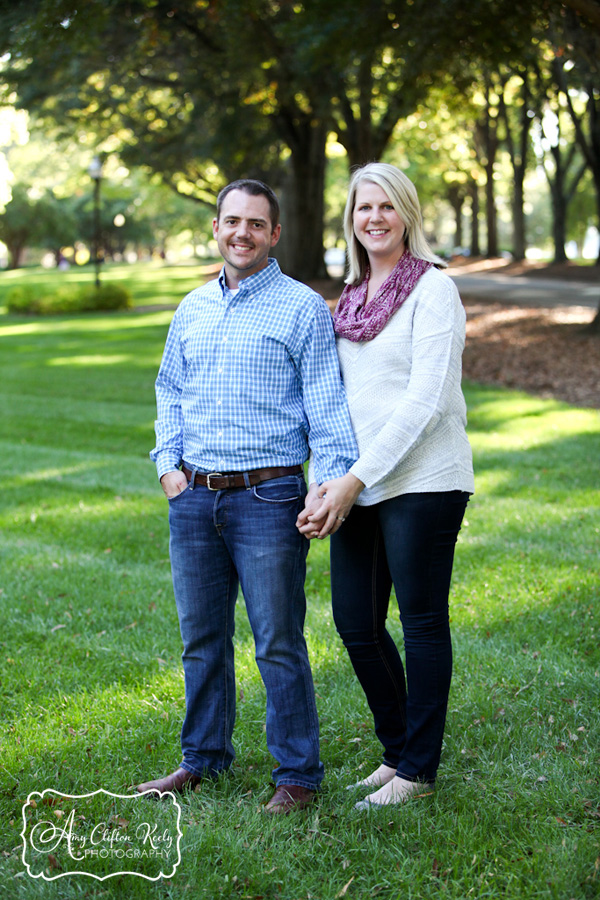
[[243, 228]]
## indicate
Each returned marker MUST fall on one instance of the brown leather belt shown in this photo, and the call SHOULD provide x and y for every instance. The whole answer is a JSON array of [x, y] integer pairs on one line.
[[219, 481]]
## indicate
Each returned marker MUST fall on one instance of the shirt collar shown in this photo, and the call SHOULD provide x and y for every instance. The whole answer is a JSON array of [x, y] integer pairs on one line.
[[259, 280]]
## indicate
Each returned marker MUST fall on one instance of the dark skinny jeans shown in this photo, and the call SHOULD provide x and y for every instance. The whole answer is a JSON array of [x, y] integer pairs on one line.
[[407, 541]]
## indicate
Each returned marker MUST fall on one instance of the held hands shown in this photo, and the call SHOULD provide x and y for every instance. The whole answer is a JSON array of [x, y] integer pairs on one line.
[[327, 505], [173, 483]]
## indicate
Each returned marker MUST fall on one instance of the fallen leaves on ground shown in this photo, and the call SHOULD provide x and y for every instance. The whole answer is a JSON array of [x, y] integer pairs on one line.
[[541, 350]]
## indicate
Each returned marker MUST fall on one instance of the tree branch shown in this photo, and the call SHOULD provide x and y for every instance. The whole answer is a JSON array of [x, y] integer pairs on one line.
[[586, 8]]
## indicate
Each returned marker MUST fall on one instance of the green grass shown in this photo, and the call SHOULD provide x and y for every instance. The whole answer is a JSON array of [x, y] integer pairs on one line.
[[90, 675], [150, 284]]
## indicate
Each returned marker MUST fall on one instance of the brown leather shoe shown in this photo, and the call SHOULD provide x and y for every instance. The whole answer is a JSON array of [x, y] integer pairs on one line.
[[178, 781], [288, 797]]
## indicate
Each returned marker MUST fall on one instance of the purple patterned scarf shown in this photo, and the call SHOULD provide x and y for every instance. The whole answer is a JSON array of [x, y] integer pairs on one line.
[[358, 320]]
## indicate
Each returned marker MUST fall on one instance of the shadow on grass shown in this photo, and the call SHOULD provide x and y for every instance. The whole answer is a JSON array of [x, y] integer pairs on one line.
[[85, 609]]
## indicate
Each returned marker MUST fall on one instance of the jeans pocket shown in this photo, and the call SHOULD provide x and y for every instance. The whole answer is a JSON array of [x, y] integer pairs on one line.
[[288, 489], [180, 494]]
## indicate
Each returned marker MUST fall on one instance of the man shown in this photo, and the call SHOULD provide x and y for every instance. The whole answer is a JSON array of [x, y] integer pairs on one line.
[[249, 378]]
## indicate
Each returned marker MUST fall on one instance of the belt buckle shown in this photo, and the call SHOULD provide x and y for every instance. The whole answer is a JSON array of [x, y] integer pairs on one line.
[[212, 475]]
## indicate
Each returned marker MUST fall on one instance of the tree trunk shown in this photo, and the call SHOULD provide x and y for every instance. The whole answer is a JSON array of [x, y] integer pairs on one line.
[[489, 141], [594, 326], [490, 213], [559, 229], [300, 249], [559, 208], [519, 164], [490, 199], [15, 253], [562, 188], [590, 146], [517, 147], [456, 198], [519, 238], [475, 245], [597, 186], [458, 232]]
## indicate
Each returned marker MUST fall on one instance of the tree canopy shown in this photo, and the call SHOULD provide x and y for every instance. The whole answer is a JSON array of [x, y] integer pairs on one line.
[[203, 91]]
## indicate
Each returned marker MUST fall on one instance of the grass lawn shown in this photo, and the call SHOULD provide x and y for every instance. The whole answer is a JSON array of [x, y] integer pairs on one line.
[[90, 675], [150, 284]]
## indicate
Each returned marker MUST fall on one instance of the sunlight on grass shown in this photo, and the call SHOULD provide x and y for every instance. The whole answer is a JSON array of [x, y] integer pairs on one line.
[[90, 671], [93, 324], [150, 284], [88, 360]]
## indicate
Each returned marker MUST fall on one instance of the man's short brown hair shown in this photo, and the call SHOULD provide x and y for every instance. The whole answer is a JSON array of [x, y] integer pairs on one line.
[[257, 189]]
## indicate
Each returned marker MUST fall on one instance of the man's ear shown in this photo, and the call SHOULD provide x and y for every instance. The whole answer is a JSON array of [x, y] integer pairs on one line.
[[275, 235]]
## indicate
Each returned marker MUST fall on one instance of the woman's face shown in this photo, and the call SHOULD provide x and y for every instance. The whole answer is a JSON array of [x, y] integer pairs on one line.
[[377, 225]]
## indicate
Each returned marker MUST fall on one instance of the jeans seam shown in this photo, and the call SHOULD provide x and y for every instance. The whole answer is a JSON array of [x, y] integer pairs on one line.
[[307, 674], [429, 582], [376, 640], [226, 737]]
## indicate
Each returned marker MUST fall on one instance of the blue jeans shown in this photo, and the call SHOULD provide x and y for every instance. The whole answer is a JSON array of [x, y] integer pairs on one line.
[[248, 537], [407, 541]]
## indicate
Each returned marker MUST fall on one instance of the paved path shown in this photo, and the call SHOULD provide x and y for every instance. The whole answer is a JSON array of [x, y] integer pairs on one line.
[[531, 291]]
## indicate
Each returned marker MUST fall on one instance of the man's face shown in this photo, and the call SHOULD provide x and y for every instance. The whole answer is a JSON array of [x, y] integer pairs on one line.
[[244, 234]]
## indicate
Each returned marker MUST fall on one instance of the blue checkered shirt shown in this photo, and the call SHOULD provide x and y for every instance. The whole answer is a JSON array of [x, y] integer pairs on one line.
[[251, 379]]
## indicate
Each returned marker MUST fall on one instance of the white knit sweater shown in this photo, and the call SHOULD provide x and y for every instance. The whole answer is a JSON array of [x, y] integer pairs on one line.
[[406, 403]]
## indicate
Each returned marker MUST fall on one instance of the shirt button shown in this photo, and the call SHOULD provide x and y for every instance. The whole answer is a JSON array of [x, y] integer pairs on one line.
[[219, 434], [218, 402], [224, 340], [220, 371]]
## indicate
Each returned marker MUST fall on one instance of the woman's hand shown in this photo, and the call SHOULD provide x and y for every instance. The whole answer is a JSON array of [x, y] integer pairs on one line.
[[312, 502], [328, 505]]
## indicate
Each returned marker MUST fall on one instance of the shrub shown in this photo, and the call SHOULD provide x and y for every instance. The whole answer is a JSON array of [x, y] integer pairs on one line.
[[106, 297], [27, 300], [63, 300], [22, 299]]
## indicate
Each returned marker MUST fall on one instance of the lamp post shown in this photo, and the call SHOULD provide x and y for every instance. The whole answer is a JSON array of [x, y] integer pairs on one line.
[[95, 173]]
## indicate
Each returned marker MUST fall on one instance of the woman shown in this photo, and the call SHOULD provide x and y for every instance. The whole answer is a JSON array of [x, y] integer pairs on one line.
[[400, 329]]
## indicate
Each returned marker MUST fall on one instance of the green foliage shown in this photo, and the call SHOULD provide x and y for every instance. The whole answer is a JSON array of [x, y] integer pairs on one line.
[[105, 297], [19, 223], [28, 300], [170, 89], [91, 686], [148, 284], [22, 299], [47, 221]]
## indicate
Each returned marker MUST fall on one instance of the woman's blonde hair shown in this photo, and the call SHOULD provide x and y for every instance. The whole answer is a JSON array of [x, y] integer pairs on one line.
[[404, 199]]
